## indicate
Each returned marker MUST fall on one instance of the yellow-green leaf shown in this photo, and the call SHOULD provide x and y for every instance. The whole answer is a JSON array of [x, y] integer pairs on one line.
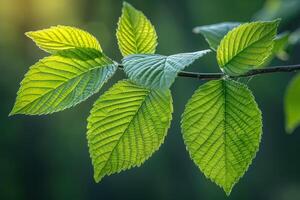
[[246, 47], [127, 124], [59, 38], [222, 128], [135, 33], [58, 82]]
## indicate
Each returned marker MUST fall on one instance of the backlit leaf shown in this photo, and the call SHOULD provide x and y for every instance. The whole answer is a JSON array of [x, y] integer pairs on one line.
[[126, 126], [59, 38], [58, 82], [135, 32], [246, 47], [222, 128]]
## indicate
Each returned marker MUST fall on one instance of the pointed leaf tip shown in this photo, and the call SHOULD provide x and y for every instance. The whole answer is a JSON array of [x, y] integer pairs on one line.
[[58, 38], [62, 82], [11, 113], [247, 46], [28, 34], [126, 4], [222, 127], [135, 33]]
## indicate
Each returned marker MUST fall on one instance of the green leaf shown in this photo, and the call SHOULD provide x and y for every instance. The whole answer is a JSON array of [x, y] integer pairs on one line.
[[56, 82], [281, 42], [59, 38], [135, 32], [157, 71], [126, 126], [222, 129], [292, 105], [246, 47], [214, 33], [294, 38]]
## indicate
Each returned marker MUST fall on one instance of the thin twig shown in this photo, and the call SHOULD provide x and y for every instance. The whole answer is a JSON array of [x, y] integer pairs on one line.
[[251, 73]]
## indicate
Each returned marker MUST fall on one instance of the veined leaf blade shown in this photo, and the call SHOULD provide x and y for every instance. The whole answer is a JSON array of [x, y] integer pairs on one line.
[[126, 126], [56, 82], [135, 33], [222, 128], [59, 38], [157, 71], [246, 47], [214, 33]]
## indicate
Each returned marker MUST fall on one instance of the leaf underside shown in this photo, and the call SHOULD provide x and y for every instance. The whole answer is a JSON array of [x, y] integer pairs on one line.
[[215, 33], [246, 47], [126, 125], [291, 104], [135, 32], [222, 128], [157, 71]]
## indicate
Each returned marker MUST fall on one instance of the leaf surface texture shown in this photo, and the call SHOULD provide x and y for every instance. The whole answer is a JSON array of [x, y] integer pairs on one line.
[[126, 125], [214, 33], [59, 38], [135, 33], [157, 71], [246, 47], [222, 128], [61, 81]]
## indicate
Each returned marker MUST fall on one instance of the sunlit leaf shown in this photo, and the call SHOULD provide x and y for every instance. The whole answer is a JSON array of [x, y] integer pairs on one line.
[[58, 82], [127, 124], [59, 38], [246, 47], [135, 32], [222, 128]]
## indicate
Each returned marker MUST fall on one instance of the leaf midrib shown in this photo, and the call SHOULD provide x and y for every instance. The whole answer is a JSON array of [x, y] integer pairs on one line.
[[63, 83], [250, 45], [133, 27], [225, 131], [69, 45], [133, 116]]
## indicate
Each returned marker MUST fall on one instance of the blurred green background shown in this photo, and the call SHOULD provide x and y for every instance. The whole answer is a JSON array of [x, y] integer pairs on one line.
[[46, 157]]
